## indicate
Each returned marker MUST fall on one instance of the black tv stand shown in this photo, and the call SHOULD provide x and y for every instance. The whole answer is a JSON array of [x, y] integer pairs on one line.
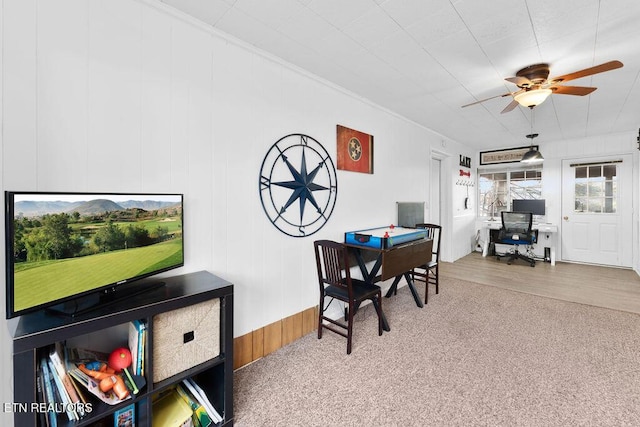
[[36, 332], [107, 298]]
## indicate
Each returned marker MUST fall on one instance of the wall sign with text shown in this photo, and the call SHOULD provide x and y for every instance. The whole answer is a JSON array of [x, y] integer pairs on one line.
[[465, 161], [509, 155]]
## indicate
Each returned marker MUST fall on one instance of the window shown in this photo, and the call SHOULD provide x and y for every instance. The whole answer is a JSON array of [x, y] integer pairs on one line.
[[596, 188], [498, 189]]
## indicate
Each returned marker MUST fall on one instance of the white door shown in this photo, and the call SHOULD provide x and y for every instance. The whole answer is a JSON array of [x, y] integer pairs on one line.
[[596, 211]]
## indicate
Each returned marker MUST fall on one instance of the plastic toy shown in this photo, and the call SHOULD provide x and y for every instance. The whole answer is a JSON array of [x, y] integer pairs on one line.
[[119, 359], [109, 380]]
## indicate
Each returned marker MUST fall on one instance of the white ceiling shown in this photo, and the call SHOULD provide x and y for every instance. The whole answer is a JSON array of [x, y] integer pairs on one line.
[[424, 59]]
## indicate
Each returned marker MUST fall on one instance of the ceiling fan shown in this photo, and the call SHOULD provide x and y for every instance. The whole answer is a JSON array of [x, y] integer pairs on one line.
[[534, 86]]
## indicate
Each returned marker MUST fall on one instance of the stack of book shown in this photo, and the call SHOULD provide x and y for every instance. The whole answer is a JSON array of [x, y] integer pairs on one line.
[[186, 405], [137, 341], [57, 389]]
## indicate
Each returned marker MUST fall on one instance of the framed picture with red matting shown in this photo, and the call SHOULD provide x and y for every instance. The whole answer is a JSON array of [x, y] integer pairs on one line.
[[355, 150]]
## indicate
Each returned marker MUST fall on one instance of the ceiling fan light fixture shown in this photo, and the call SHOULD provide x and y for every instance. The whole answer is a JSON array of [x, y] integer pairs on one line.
[[533, 97]]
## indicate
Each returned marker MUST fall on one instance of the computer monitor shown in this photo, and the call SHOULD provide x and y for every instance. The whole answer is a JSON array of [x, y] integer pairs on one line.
[[535, 206]]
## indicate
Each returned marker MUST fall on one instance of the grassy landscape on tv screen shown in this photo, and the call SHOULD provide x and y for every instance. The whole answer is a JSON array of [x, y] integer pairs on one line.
[[73, 245]]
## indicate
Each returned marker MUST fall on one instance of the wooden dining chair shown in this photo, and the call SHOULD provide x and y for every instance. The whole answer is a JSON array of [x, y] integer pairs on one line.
[[334, 278], [429, 272]]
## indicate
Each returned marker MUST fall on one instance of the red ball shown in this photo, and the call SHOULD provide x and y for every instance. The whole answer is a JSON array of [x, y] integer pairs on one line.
[[119, 359]]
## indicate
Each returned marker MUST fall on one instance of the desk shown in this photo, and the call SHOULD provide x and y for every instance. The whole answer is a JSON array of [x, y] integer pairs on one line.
[[547, 236], [395, 262]]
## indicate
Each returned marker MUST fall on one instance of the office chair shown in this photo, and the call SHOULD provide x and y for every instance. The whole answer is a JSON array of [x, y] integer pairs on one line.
[[334, 278], [517, 231], [428, 273]]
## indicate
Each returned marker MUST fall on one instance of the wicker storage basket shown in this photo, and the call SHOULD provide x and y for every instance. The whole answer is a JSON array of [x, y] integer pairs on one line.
[[185, 337]]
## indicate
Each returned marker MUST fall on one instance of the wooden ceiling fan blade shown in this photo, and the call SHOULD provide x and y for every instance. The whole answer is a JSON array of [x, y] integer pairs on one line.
[[572, 90], [520, 81], [607, 66], [513, 104], [486, 99]]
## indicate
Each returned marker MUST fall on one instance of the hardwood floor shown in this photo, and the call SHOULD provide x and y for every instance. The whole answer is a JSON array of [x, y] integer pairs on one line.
[[614, 288]]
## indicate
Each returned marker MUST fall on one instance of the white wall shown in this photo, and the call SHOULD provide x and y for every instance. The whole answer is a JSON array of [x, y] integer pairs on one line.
[[126, 96]]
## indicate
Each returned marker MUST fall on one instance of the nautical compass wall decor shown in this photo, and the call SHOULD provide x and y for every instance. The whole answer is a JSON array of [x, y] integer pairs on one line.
[[298, 185]]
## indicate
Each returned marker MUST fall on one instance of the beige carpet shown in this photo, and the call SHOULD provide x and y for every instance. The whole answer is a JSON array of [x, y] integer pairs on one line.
[[476, 355]]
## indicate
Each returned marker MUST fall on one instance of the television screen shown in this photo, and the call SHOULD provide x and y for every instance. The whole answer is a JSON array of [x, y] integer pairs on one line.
[[60, 246], [535, 206]]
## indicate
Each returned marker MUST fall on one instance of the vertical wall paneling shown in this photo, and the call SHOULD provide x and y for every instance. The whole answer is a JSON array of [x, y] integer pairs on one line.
[[114, 95], [6, 366], [234, 145], [198, 148], [19, 86], [62, 113], [155, 123], [19, 137], [180, 86], [219, 212]]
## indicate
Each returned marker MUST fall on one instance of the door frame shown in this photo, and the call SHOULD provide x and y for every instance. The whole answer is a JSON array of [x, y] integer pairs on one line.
[[631, 227], [446, 215]]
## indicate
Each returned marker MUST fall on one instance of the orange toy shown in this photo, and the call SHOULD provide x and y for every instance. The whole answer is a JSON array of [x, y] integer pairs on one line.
[[108, 380]]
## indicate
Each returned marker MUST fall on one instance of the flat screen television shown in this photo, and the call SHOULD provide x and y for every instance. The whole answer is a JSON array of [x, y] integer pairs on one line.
[[62, 247], [535, 206]]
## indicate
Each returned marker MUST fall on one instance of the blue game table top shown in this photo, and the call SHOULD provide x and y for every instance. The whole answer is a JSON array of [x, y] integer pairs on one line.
[[383, 237]]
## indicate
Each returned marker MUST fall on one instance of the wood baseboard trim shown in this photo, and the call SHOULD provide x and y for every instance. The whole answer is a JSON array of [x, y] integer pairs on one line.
[[260, 342]]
